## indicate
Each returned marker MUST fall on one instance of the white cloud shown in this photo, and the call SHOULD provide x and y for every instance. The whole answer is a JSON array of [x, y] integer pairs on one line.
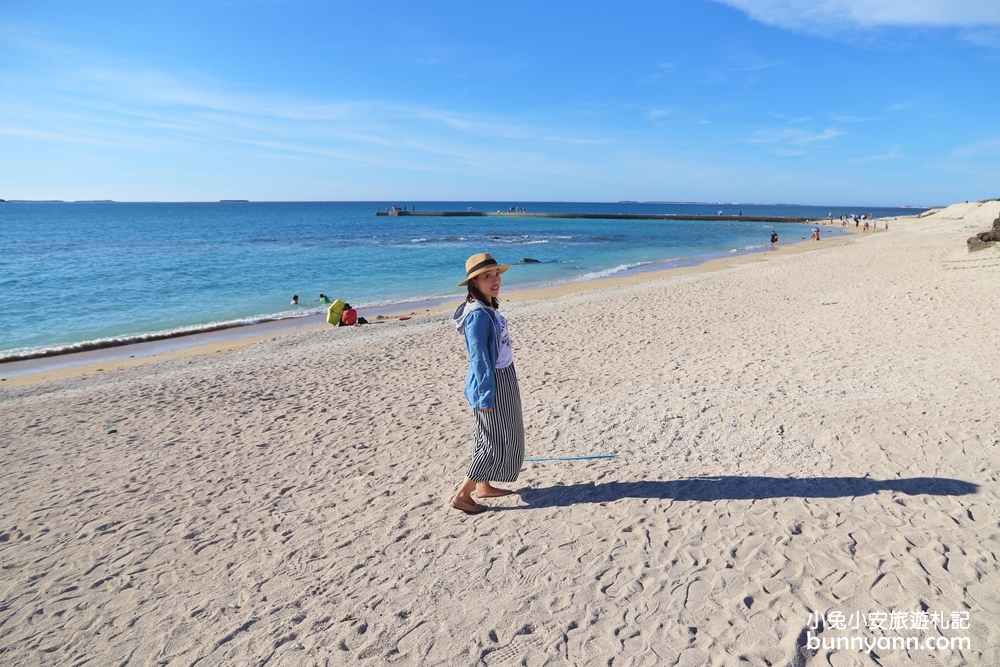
[[814, 14], [989, 37], [792, 141], [663, 71], [191, 114], [794, 136], [892, 154], [983, 148]]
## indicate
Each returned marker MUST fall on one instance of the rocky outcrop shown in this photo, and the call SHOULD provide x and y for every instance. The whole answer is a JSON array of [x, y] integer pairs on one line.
[[984, 239]]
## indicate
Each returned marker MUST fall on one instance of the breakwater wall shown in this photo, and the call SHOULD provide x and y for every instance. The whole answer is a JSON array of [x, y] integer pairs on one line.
[[592, 216]]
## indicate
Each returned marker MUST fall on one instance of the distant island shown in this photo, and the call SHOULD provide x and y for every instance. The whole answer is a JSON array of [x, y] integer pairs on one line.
[[234, 201]]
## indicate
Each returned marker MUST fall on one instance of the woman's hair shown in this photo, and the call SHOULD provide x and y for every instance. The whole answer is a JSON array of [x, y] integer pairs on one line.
[[476, 295]]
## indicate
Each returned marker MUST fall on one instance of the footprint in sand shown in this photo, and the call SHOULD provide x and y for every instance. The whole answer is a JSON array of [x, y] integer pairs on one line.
[[848, 586], [524, 640], [625, 585], [759, 632], [697, 593], [748, 547], [888, 591]]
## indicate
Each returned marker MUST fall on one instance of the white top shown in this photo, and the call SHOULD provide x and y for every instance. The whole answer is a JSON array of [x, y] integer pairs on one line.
[[505, 353]]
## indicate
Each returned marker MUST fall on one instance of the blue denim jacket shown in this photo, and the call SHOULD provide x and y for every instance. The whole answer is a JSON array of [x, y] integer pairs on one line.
[[482, 337]]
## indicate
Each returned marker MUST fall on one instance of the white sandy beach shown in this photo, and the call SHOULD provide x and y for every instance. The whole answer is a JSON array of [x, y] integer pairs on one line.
[[797, 432]]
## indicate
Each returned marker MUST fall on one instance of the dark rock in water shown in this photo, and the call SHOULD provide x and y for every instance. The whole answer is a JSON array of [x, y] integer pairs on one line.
[[529, 260]]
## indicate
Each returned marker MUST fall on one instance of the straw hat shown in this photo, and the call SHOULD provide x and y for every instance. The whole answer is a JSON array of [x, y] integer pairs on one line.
[[481, 263]]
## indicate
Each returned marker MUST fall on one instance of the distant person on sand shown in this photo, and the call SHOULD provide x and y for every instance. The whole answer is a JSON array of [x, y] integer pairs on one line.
[[350, 317], [490, 385], [774, 239], [295, 300], [815, 233]]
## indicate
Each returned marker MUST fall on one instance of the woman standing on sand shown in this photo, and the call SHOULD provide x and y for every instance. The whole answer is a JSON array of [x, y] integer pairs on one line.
[[490, 386]]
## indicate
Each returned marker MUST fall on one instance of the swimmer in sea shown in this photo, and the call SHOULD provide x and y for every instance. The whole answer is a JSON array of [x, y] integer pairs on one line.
[[295, 300]]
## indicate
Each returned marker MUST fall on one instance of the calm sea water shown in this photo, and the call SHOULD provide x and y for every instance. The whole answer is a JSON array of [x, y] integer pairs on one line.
[[75, 272]]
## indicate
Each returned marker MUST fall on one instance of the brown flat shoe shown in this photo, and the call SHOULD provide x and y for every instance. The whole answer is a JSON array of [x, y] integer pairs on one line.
[[468, 508]]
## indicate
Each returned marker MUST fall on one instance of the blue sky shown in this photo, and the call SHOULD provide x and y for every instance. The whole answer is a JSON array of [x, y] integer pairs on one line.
[[852, 102]]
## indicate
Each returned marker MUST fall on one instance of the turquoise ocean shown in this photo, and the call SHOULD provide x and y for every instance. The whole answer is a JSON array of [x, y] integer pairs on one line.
[[98, 273]]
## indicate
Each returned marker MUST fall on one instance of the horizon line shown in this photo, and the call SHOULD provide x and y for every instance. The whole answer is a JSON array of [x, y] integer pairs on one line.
[[455, 201]]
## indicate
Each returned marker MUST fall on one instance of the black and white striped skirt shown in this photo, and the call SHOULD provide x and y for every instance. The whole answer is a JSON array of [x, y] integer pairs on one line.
[[498, 446]]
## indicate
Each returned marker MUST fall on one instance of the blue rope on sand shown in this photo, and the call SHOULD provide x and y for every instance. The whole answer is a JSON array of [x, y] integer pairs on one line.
[[569, 458]]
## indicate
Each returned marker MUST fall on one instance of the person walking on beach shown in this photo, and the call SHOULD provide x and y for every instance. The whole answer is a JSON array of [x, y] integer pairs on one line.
[[490, 386], [774, 239]]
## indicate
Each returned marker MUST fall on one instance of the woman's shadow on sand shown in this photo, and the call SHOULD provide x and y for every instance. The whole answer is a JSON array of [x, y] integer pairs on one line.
[[741, 488]]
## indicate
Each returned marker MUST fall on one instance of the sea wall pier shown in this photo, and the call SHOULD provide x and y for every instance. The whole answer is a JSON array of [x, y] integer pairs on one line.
[[593, 216]]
